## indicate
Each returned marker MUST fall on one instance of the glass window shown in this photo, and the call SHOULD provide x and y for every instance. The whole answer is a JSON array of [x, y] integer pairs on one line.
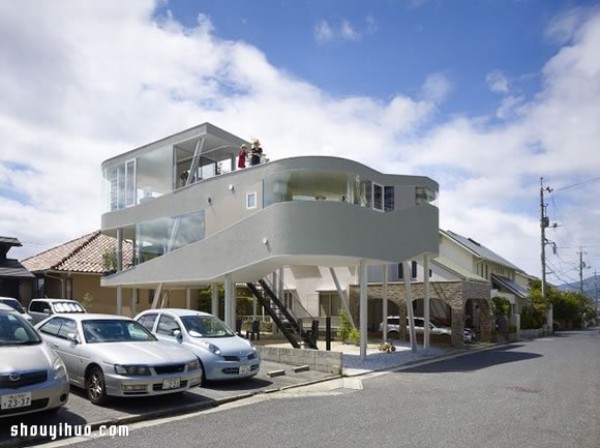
[[377, 197], [425, 195], [147, 321], [206, 326], [68, 327], [154, 171], [251, 200], [329, 304], [114, 330], [388, 199], [159, 236], [52, 326], [167, 326], [309, 185]]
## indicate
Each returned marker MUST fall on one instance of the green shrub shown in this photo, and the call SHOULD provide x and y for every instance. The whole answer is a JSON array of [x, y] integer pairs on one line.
[[531, 318], [354, 336], [343, 332]]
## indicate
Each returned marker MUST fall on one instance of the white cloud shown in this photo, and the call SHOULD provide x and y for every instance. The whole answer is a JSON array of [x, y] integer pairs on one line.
[[497, 82], [436, 87], [323, 31], [343, 31], [84, 81]]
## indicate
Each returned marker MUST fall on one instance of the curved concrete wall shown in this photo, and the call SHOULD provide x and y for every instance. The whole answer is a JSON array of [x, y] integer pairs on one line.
[[293, 233]]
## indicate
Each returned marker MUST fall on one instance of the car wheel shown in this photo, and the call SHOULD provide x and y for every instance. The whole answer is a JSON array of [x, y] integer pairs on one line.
[[393, 335], [95, 386]]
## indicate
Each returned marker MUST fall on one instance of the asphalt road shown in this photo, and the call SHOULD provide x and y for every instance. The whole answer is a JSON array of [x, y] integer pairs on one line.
[[537, 394], [80, 414]]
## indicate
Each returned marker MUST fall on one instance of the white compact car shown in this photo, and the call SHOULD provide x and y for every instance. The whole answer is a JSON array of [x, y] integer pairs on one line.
[[223, 354]]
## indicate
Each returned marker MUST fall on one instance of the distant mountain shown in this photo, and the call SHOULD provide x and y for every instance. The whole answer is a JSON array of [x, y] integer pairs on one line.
[[591, 287]]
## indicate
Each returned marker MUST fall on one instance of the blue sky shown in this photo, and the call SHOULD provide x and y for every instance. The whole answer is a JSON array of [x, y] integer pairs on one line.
[[483, 96]]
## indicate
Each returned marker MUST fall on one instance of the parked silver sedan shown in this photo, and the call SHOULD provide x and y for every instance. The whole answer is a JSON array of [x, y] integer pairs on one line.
[[32, 377], [110, 355], [224, 355]]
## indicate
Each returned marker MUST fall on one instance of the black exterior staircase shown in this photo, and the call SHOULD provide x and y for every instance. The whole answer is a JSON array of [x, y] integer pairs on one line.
[[289, 325]]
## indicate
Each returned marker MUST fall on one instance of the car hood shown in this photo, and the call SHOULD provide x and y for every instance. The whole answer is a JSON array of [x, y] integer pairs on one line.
[[26, 357], [229, 346], [142, 352]]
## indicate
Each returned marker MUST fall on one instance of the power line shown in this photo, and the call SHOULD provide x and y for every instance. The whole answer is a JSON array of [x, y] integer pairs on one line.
[[578, 184]]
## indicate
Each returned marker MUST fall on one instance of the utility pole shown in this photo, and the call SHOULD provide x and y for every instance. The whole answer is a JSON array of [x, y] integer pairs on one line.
[[596, 294], [581, 266], [544, 223]]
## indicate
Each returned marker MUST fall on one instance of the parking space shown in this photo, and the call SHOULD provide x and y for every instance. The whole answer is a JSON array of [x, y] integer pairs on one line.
[[79, 412]]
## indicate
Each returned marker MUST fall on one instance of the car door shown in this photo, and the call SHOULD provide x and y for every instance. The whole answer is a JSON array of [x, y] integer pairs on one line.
[[165, 329], [56, 332]]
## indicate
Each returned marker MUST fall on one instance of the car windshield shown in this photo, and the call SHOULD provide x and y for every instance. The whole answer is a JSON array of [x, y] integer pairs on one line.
[[14, 330], [68, 307], [13, 303], [114, 330], [206, 327]]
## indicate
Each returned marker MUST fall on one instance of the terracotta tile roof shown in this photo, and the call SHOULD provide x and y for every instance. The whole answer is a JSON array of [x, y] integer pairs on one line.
[[84, 254]]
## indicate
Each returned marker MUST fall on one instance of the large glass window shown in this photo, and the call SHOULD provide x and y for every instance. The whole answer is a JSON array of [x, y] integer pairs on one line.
[[425, 195], [330, 304], [159, 236], [154, 174]]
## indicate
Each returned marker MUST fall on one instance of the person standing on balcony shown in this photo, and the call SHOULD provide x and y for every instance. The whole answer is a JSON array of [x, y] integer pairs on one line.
[[242, 156], [256, 153]]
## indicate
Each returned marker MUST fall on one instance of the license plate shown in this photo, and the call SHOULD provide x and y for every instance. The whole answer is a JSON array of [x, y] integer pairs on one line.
[[12, 401], [245, 369], [171, 383]]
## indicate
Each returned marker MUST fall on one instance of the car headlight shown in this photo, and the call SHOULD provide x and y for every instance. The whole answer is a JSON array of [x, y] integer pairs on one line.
[[212, 348], [193, 365], [60, 371], [132, 370]]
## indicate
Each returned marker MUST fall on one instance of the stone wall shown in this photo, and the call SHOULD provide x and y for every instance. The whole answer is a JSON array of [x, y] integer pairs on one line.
[[455, 294], [321, 361]]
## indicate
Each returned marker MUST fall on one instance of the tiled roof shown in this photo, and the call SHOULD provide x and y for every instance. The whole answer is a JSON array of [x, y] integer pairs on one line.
[[481, 250], [84, 254]]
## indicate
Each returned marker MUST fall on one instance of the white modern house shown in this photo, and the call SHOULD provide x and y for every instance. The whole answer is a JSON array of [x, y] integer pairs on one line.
[[195, 219]]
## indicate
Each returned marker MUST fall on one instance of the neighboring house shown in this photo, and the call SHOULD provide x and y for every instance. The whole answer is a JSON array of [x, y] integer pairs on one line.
[[195, 219], [15, 280], [73, 271], [462, 281]]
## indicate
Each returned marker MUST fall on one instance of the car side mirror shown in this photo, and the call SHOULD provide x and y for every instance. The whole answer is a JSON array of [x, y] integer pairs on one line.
[[46, 311], [178, 335], [73, 338]]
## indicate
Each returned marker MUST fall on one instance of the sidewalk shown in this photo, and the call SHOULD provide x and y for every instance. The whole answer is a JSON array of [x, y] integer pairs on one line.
[[375, 359]]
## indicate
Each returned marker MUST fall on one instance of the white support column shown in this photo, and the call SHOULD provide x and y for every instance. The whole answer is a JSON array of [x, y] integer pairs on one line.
[[119, 300], [409, 306], [342, 296], [229, 318], [281, 283], [364, 315], [134, 299], [119, 249], [214, 304], [426, 308], [188, 298], [156, 297], [233, 304], [384, 291]]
